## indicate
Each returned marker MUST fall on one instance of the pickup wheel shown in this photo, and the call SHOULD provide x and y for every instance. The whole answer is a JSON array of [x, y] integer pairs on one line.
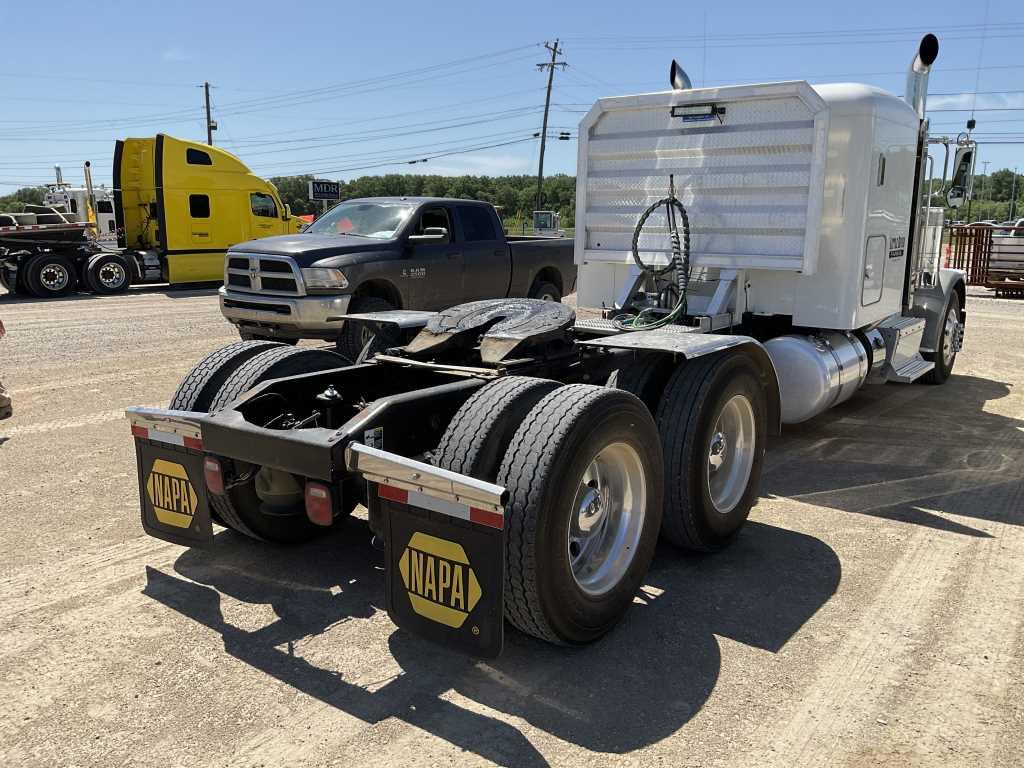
[[713, 426], [545, 292], [585, 480], [355, 336], [265, 503], [108, 274], [476, 439], [51, 275]]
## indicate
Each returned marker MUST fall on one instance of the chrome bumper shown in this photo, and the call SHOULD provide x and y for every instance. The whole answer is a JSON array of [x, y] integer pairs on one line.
[[287, 315]]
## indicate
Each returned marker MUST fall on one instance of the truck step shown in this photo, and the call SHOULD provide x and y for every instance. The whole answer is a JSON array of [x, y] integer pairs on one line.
[[903, 336], [911, 370]]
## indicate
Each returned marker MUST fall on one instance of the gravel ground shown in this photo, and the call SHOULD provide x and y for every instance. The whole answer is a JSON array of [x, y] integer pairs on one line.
[[870, 613]]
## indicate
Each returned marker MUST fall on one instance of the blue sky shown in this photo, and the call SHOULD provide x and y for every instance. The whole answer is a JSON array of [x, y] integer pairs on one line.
[[344, 89]]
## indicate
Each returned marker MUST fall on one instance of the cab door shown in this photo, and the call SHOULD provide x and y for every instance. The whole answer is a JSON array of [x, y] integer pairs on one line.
[[266, 219], [487, 263], [431, 272]]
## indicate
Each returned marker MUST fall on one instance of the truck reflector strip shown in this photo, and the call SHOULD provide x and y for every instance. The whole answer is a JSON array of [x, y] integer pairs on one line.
[[167, 437], [450, 508]]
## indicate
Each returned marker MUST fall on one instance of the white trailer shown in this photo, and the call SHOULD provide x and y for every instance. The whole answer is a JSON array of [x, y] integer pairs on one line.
[[759, 253]]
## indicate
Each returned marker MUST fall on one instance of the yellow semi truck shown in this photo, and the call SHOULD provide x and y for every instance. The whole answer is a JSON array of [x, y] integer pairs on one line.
[[179, 205]]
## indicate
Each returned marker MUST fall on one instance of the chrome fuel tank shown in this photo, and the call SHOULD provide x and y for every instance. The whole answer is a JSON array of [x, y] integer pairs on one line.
[[816, 372]]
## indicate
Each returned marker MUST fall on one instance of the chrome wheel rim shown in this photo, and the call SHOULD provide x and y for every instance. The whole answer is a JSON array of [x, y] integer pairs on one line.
[[731, 453], [607, 518], [111, 275], [54, 277], [951, 335]]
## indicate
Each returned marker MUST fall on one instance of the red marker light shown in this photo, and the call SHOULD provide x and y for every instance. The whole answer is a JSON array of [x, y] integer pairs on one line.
[[319, 508], [214, 475]]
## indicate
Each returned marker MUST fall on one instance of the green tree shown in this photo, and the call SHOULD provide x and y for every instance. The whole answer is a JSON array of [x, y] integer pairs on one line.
[[15, 202]]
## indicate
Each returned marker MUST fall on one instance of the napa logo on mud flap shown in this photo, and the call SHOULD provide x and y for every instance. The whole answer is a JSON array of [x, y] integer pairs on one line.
[[439, 580], [171, 494]]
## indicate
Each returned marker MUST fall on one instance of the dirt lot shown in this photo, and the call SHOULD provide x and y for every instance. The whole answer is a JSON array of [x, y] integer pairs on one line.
[[870, 614]]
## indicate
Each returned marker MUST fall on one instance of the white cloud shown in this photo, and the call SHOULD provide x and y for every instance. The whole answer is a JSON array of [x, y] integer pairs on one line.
[[476, 165], [174, 53], [967, 101]]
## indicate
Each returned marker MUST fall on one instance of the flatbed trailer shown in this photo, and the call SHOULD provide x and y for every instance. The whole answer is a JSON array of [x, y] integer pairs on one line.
[[519, 463], [51, 258]]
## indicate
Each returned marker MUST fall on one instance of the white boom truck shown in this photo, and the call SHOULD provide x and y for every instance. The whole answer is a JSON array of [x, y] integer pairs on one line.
[[758, 251]]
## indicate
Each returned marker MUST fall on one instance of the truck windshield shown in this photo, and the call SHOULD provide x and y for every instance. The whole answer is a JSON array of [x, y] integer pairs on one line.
[[362, 219]]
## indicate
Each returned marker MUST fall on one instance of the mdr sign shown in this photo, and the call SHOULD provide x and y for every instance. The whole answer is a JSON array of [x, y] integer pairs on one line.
[[324, 190]]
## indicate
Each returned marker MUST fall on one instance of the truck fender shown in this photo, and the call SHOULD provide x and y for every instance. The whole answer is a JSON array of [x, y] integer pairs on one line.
[[693, 345], [930, 302]]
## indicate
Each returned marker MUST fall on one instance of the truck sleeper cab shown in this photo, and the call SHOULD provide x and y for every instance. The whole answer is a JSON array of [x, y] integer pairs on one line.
[[190, 203], [176, 207]]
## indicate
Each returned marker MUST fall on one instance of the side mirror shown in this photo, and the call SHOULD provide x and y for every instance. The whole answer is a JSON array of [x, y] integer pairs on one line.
[[287, 212], [960, 184], [431, 235]]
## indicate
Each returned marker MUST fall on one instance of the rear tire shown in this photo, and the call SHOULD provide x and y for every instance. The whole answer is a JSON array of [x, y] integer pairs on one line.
[[241, 507], [644, 376], [108, 273], [479, 434], [355, 336], [712, 419], [585, 465], [200, 386], [51, 276]]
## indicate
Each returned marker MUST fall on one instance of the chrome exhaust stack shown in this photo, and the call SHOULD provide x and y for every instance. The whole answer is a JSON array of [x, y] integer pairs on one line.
[[916, 94], [678, 78]]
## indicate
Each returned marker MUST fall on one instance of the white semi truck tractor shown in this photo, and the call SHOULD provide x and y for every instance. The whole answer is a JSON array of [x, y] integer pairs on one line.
[[758, 253]]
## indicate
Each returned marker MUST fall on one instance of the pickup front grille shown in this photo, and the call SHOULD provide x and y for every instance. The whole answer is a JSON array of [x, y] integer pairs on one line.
[[268, 275]]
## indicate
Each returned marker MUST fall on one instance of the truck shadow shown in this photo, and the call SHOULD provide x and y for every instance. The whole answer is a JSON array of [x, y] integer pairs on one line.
[[914, 454], [638, 685]]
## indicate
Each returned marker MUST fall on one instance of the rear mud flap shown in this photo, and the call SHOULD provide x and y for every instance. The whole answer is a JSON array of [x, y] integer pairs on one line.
[[444, 575], [172, 493]]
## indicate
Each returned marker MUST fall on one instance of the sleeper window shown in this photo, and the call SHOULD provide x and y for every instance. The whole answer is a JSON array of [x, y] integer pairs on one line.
[[199, 206], [197, 157]]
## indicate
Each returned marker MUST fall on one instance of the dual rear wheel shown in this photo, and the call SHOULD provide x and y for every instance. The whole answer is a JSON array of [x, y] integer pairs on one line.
[[593, 478], [53, 275], [261, 503]]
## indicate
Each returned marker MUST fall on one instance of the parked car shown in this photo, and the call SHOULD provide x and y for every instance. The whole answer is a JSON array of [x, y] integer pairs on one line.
[[378, 254]]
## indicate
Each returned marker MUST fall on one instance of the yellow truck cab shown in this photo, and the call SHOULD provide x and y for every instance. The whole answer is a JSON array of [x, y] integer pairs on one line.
[[190, 202]]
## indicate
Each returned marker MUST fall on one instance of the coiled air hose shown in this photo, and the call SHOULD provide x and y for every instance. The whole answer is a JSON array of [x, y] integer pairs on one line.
[[680, 262]]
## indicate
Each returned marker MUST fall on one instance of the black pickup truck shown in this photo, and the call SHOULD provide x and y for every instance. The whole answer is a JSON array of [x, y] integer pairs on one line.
[[378, 254]]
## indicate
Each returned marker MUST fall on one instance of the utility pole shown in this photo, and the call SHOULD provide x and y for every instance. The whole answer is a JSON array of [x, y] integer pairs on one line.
[[981, 195], [211, 125], [550, 67]]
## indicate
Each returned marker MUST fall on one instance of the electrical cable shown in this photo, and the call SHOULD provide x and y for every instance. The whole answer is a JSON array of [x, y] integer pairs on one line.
[[680, 262]]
